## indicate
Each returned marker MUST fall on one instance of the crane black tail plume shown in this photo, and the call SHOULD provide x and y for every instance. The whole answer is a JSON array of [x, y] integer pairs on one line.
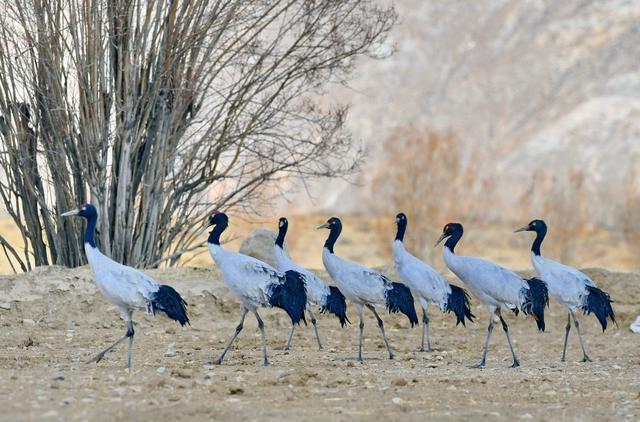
[[536, 299], [458, 302], [336, 305], [598, 302], [400, 299], [291, 296], [170, 303]]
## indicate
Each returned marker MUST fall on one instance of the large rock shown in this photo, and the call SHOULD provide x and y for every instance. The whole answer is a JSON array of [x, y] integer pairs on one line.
[[259, 244]]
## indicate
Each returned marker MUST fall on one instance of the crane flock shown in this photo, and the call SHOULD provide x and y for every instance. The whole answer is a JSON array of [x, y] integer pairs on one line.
[[296, 290]]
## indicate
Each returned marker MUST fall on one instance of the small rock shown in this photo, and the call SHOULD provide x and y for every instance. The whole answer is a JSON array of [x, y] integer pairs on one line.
[[209, 375], [396, 400], [182, 373], [236, 390], [169, 354], [550, 393], [5, 306], [526, 416], [67, 401], [57, 376], [399, 382], [161, 370], [452, 388], [28, 322]]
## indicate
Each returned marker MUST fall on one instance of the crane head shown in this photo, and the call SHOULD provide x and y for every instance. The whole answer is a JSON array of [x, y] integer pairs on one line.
[[282, 223], [401, 218], [86, 211], [217, 218], [533, 226], [448, 230], [331, 223]]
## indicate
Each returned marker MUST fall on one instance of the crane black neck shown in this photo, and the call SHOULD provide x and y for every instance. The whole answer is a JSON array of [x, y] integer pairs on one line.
[[333, 236], [402, 227], [282, 232], [91, 228], [453, 240], [214, 235], [541, 232]]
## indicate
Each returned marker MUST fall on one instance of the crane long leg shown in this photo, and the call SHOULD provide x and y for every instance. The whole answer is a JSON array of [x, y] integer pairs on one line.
[[425, 329], [361, 313], [264, 339], [381, 325], [126, 315], [585, 358], [505, 327], [130, 334], [288, 346], [483, 361], [315, 328], [97, 358], [238, 329], [566, 337]]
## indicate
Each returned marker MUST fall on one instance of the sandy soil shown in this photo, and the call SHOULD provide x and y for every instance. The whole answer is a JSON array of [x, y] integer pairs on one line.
[[53, 319]]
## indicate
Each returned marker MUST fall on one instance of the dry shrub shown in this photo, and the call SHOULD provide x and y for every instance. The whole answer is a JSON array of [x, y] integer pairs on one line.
[[629, 215], [425, 175], [565, 211]]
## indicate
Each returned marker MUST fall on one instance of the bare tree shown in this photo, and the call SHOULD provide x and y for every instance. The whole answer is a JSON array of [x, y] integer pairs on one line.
[[160, 111]]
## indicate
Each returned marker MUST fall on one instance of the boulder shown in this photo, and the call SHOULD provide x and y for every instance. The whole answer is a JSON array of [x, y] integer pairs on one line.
[[259, 244]]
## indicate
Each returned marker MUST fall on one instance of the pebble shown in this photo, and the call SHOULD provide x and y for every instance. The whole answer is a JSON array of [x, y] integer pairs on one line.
[[182, 373], [550, 393], [67, 401], [452, 388], [526, 416], [57, 376], [28, 322], [5, 305], [236, 390], [399, 382], [161, 370], [396, 400]]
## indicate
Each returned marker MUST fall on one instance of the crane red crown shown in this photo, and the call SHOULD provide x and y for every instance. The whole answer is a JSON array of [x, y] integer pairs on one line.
[[214, 212]]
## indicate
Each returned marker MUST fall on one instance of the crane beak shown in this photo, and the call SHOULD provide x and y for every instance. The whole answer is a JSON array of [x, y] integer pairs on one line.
[[440, 239], [522, 229], [324, 226], [68, 213]]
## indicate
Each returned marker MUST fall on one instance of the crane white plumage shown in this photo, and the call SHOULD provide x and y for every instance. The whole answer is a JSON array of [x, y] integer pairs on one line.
[[364, 286], [254, 283], [427, 284], [125, 287], [326, 298], [571, 288], [497, 287]]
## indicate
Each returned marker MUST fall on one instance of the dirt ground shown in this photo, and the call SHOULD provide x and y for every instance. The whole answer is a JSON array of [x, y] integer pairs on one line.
[[53, 319]]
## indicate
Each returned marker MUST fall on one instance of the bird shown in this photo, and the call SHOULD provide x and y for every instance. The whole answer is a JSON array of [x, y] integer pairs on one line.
[[254, 284], [125, 287], [571, 288], [327, 298], [427, 285], [497, 287], [364, 286]]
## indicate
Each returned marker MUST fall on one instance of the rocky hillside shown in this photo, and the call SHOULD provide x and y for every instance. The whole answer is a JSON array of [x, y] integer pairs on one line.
[[535, 89]]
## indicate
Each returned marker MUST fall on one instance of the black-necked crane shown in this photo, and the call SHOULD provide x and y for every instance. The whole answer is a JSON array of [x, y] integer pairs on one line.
[[427, 284], [125, 287], [364, 286], [571, 288], [326, 298], [497, 287], [254, 284]]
